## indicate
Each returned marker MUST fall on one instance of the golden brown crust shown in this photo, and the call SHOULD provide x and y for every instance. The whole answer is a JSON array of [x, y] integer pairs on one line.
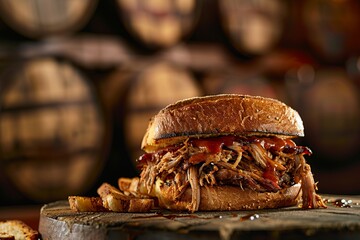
[[116, 201], [225, 114], [86, 204], [233, 198], [5, 236], [230, 198], [18, 229]]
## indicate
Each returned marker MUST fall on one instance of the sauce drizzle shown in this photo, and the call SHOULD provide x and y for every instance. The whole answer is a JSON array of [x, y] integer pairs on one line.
[[175, 216], [250, 217]]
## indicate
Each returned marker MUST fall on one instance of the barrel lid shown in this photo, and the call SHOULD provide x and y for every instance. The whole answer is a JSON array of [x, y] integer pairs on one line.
[[159, 23], [42, 19], [253, 27]]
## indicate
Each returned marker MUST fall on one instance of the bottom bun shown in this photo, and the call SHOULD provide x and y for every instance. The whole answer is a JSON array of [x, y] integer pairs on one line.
[[233, 198], [227, 198]]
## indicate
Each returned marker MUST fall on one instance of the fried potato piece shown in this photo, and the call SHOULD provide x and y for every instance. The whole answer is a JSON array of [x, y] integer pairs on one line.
[[124, 184], [131, 186], [86, 204], [115, 200]]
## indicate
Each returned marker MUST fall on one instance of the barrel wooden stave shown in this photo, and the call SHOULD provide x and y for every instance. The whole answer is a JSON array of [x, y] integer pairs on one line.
[[57, 221]]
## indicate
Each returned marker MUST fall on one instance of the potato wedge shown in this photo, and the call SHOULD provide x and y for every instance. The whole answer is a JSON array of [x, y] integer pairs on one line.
[[86, 204]]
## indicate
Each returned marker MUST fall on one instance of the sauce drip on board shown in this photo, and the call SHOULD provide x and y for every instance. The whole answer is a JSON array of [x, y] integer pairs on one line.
[[341, 202], [175, 216], [250, 217]]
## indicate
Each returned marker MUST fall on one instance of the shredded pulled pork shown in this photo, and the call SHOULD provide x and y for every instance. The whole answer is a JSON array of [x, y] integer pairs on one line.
[[308, 186], [195, 188], [260, 164]]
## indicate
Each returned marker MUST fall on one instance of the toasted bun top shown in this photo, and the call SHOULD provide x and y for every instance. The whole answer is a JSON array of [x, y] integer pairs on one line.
[[217, 115]]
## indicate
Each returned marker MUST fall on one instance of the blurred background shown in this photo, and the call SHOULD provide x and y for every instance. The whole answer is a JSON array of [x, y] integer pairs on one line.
[[79, 80]]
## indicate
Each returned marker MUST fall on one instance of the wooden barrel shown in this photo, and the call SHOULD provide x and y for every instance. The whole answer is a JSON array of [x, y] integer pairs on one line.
[[38, 19], [51, 131], [158, 84], [159, 23], [331, 28], [330, 109], [253, 27], [331, 114]]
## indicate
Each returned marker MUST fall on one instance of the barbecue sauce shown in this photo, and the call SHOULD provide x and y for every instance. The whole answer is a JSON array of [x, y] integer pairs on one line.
[[250, 217], [343, 203], [143, 159], [213, 145], [270, 174], [198, 158], [274, 144], [247, 217], [150, 157], [177, 216]]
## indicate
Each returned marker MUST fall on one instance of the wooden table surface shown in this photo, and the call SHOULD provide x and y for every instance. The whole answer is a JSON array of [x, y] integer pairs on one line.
[[57, 221]]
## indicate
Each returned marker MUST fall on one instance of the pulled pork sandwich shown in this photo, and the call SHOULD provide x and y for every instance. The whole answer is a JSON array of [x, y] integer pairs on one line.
[[224, 152]]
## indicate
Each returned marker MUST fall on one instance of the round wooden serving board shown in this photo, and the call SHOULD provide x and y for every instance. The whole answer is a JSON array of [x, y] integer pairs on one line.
[[57, 221]]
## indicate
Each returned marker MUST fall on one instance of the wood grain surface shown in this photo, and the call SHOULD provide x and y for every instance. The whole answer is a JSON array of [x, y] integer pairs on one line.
[[341, 220]]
